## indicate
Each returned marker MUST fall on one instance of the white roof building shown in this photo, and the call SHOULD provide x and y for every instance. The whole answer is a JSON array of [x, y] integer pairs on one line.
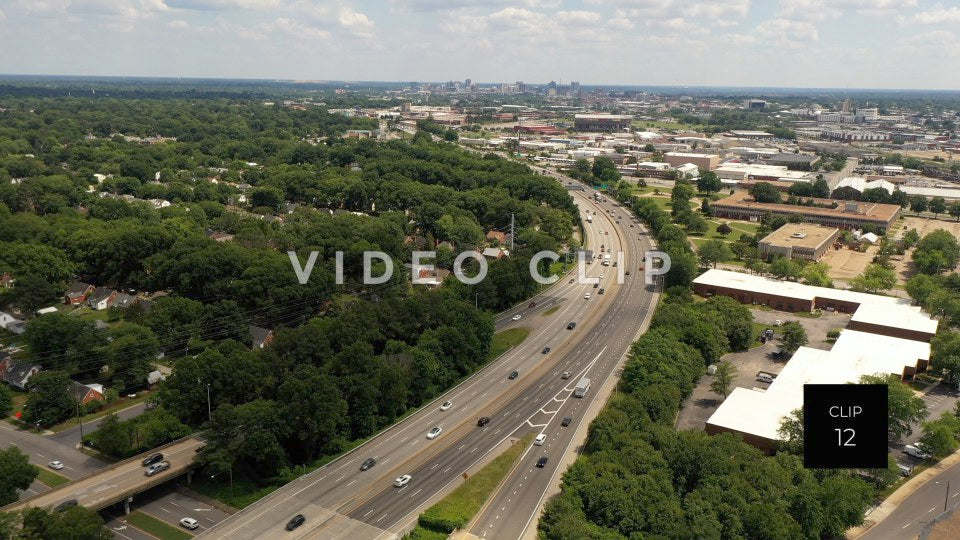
[[862, 184]]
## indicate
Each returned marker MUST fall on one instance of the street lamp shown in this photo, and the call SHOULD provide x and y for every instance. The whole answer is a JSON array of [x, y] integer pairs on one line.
[[230, 470]]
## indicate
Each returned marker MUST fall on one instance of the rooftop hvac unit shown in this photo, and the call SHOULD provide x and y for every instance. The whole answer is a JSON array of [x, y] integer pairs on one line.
[[799, 235], [850, 207]]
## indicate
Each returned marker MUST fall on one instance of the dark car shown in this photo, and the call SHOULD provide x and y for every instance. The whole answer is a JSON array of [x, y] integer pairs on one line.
[[532, 304], [566, 421], [595, 285], [65, 505], [545, 350], [513, 374], [542, 462], [600, 291], [295, 522], [150, 460], [483, 420], [571, 326], [367, 463]]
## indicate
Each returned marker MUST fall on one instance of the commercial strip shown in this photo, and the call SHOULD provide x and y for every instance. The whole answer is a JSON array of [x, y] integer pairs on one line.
[[885, 336], [799, 241], [831, 213]]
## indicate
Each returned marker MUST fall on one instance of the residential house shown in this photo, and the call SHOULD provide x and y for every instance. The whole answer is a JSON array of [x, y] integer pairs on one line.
[[6, 281], [260, 337], [155, 377], [417, 242], [495, 253], [77, 293], [18, 374], [498, 236], [11, 323], [101, 298], [123, 300], [85, 393]]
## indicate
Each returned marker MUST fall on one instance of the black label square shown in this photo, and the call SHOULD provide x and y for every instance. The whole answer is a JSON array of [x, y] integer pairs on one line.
[[845, 426]]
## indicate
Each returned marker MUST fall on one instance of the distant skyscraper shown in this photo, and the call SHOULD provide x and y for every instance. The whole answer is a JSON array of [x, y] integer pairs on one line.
[[846, 105], [521, 87], [467, 82], [574, 87]]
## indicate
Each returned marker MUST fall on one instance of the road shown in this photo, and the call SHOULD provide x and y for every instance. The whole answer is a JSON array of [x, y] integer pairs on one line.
[[71, 436], [919, 508], [340, 501], [42, 450], [169, 506], [96, 491]]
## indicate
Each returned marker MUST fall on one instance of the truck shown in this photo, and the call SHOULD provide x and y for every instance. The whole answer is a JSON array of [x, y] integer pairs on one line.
[[606, 259], [582, 387], [589, 219], [597, 197]]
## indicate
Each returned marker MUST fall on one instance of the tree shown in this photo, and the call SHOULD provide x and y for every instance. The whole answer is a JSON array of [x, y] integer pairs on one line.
[[936, 252], [723, 378], [816, 274], [76, 523], [6, 402], [903, 406], [48, 399], [918, 203], [714, 251], [32, 293], [792, 337], [765, 192], [910, 238], [113, 437], [920, 287], [875, 278], [791, 433], [938, 206], [709, 182], [697, 225], [954, 209], [16, 474], [785, 268], [945, 355], [680, 199], [724, 229], [821, 188], [940, 436], [605, 170]]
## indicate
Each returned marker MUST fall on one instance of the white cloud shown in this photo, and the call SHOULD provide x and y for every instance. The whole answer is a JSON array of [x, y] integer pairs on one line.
[[295, 29], [219, 5], [178, 24], [937, 15], [358, 23]]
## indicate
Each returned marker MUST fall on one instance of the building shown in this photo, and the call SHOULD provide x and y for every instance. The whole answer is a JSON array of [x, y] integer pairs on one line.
[[101, 298], [77, 293], [830, 213], [750, 134], [260, 337], [883, 315], [862, 184], [85, 393], [18, 374], [754, 104], [744, 171], [6, 281], [799, 241], [704, 162], [796, 162], [602, 122], [854, 136]]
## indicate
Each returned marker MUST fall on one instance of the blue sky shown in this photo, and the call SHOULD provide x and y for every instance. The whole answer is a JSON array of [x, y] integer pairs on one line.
[[799, 43]]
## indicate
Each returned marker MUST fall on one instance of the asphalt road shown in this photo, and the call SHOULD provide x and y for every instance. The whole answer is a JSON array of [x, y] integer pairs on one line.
[[42, 450], [339, 501], [919, 508], [71, 436]]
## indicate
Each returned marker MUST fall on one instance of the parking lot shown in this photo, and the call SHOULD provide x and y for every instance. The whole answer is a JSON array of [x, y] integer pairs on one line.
[[703, 401], [168, 505]]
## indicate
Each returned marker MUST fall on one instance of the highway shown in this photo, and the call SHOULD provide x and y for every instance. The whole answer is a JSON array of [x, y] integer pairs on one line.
[[340, 501], [116, 482]]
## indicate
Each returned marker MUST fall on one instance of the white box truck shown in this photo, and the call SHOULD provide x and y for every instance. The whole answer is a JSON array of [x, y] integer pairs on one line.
[[582, 387]]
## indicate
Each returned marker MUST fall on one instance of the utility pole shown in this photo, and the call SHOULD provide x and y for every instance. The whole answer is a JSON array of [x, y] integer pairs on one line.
[[79, 416], [946, 496], [209, 410], [512, 233]]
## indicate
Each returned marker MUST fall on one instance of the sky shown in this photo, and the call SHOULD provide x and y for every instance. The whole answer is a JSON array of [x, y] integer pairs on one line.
[[771, 43]]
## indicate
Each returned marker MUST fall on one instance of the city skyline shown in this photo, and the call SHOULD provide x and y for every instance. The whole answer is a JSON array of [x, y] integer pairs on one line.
[[732, 43]]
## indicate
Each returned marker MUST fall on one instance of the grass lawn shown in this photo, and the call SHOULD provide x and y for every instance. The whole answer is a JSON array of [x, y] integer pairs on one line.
[[154, 526], [504, 340], [550, 311], [50, 478], [120, 404], [464, 501], [758, 329]]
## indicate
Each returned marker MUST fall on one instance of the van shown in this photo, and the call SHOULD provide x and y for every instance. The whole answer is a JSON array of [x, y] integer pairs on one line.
[[764, 377], [541, 438], [915, 451]]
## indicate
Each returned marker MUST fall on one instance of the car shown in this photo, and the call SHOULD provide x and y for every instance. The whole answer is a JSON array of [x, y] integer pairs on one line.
[[542, 462], [402, 480], [627, 273], [368, 464], [157, 468], [586, 296], [601, 275], [532, 304], [600, 291], [446, 406], [571, 325], [55, 465], [482, 421], [905, 470], [566, 421], [65, 505], [765, 377], [778, 322], [768, 333], [295, 522], [151, 459], [545, 350], [516, 317], [596, 285], [541, 438], [513, 374], [189, 523], [566, 375], [434, 432], [916, 451], [571, 280], [607, 233], [631, 225]]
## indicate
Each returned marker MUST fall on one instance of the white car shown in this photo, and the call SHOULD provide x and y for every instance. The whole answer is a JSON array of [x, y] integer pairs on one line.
[[516, 317], [402, 480], [778, 322], [601, 276], [432, 434], [55, 465], [446, 406], [586, 296], [189, 523]]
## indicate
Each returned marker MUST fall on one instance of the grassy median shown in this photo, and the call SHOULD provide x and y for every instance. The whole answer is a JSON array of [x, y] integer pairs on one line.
[[504, 340], [458, 508], [50, 478], [155, 527]]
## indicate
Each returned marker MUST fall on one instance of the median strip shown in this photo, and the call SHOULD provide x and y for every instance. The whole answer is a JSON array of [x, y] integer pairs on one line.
[[153, 526], [50, 478]]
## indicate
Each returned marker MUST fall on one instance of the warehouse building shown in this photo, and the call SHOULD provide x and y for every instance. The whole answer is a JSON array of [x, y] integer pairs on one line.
[[602, 122], [799, 241], [704, 162], [797, 162], [830, 213]]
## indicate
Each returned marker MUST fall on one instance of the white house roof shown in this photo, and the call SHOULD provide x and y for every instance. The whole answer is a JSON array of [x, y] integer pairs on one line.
[[862, 184]]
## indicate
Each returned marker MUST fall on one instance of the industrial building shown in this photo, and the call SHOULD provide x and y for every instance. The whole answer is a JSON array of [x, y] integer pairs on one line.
[[797, 162], [743, 171], [799, 241], [830, 213], [704, 162], [602, 122]]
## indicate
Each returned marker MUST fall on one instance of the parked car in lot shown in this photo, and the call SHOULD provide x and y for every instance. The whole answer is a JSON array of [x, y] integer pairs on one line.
[[916, 451], [542, 462], [189, 523], [402, 480], [151, 459], [434, 432], [157, 468], [55, 465], [367, 464], [482, 421], [566, 421], [446, 406], [295, 522], [905, 470], [765, 377]]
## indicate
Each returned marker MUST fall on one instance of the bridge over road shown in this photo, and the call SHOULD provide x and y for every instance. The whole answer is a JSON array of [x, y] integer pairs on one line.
[[119, 481]]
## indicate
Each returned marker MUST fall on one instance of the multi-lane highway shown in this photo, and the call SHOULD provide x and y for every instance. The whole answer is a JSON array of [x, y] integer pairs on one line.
[[340, 501]]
